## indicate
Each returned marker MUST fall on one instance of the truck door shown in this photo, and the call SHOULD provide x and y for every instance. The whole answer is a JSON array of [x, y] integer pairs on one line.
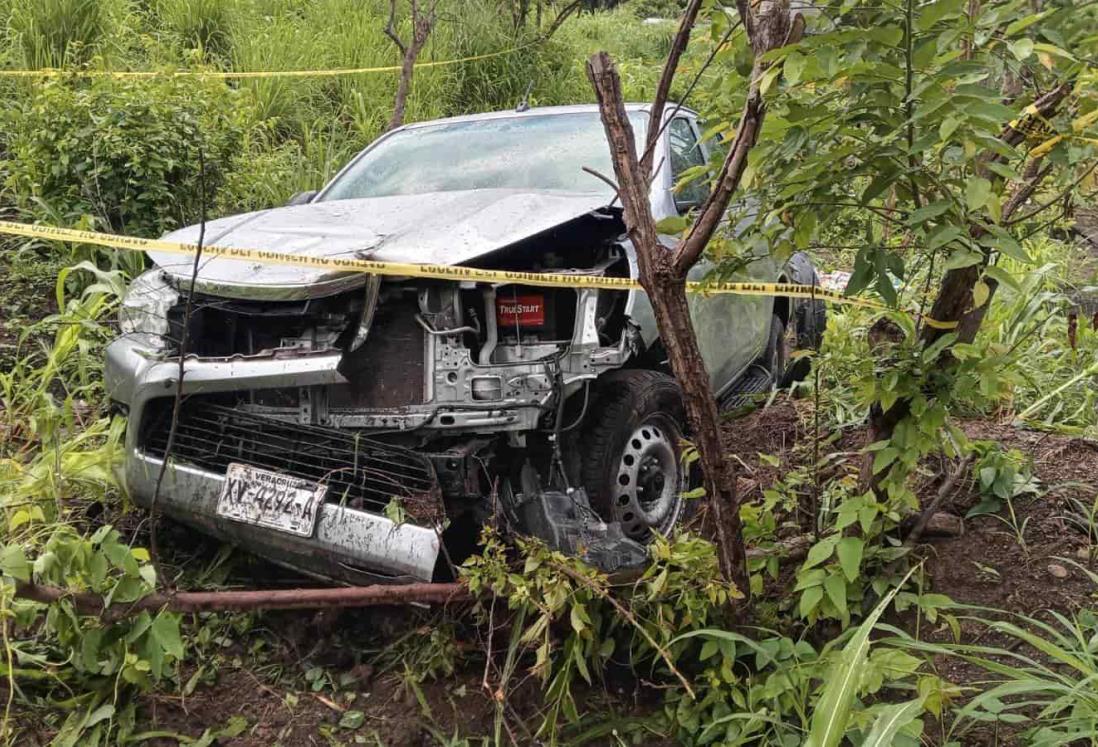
[[732, 330]]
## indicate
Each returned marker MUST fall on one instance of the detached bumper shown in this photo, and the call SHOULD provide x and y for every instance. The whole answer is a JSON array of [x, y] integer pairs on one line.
[[348, 543]]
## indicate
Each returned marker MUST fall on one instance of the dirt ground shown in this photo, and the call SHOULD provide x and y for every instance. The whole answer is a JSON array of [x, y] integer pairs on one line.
[[328, 678]]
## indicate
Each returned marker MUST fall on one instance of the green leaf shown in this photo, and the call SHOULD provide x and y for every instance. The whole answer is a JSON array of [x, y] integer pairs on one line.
[[850, 551], [977, 192], [883, 458], [963, 257], [1002, 276], [673, 225], [942, 236], [810, 599], [102, 713], [835, 586], [948, 126], [934, 12], [980, 293], [1021, 48], [880, 183], [352, 720], [13, 562], [165, 631], [925, 213], [768, 78], [794, 66], [832, 712], [892, 718], [1023, 23], [1009, 246], [577, 616], [820, 552]]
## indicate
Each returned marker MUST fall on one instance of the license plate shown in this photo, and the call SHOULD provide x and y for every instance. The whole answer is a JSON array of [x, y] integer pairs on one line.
[[269, 499]]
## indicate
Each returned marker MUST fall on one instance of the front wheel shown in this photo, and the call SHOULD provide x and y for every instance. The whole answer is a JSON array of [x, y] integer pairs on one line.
[[631, 453]]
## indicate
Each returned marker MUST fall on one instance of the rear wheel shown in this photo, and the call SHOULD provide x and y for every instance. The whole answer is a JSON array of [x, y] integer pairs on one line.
[[804, 332], [631, 453]]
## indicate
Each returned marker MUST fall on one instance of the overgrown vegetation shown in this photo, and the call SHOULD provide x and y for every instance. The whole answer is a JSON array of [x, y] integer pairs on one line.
[[881, 154]]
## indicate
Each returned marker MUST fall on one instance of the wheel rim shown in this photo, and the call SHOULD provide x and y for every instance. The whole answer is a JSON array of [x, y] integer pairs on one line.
[[649, 481]]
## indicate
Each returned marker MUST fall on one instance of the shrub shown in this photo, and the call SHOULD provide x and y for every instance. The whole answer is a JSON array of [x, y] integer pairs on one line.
[[124, 152]]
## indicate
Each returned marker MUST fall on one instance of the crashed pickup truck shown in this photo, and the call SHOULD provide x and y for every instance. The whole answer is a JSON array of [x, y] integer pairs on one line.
[[363, 428]]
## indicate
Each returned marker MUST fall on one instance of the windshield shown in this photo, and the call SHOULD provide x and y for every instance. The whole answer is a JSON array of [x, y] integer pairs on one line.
[[545, 151]]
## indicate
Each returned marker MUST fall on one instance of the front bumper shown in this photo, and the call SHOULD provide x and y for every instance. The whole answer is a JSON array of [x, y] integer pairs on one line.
[[348, 544]]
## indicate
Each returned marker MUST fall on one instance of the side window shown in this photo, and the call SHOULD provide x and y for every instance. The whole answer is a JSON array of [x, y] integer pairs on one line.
[[687, 155]]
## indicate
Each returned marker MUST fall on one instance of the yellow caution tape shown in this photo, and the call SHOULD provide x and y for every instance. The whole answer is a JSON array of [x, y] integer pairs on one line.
[[227, 74], [434, 272]]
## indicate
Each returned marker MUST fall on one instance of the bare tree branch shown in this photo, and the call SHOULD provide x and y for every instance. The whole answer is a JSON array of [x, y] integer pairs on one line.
[[663, 89], [663, 272], [780, 30], [422, 24], [390, 28], [561, 17], [87, 603]]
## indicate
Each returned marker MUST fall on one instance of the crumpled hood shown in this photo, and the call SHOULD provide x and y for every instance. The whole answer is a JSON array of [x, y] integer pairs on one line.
[[444, 228]]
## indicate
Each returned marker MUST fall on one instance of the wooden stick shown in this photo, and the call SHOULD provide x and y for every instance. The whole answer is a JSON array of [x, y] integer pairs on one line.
[[263, 599], [943, 492]]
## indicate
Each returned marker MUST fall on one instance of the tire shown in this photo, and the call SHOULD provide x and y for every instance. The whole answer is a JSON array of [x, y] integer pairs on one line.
[[806, 323], [805, 332], [631, 453]]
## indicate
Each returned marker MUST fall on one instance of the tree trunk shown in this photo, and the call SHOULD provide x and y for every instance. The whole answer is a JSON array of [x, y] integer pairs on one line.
[[423, 21], [404, 87], [663, 271], [955, 301], [667, 292]]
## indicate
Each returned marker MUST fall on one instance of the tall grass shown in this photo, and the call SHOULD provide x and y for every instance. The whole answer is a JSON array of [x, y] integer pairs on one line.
[[199, 24], [55, 33], [1056, 385]]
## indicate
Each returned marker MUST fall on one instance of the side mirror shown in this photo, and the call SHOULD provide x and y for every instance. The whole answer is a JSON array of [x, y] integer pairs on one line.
[[302, 198]]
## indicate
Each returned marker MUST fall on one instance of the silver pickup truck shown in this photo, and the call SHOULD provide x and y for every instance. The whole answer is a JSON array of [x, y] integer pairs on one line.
[[361, 428]]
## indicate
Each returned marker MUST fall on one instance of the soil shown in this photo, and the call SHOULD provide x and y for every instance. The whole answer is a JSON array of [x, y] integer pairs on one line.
[[986, 566]]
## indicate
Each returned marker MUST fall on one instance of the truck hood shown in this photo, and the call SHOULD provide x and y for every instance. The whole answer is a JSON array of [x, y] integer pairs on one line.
[[443, 228]]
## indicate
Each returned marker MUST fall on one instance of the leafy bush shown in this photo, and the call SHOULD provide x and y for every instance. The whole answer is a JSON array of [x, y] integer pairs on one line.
[[124, 152]]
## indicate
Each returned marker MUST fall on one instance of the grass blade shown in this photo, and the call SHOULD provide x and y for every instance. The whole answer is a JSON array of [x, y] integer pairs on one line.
[[832, 710]]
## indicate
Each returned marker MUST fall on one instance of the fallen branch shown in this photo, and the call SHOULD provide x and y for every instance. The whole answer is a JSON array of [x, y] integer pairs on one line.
[[791, 548], [944, 491], [377, 595], [264, 599]]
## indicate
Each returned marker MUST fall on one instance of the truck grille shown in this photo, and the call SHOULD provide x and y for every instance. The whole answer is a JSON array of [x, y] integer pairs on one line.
[[359, 472]]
